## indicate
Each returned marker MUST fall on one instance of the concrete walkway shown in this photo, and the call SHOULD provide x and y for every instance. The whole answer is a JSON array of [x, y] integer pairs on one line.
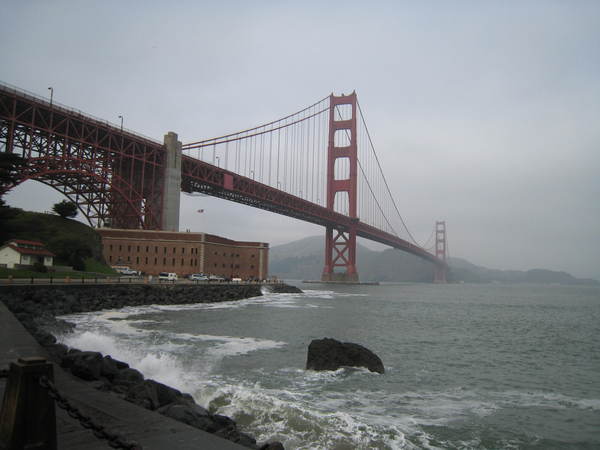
[[151, 430]]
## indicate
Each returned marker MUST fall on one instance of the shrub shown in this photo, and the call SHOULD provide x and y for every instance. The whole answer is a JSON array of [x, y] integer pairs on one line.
[[65, 209], [40, 267]]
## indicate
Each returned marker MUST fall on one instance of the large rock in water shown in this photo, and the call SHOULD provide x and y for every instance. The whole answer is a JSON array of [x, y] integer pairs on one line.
[[329, 354]]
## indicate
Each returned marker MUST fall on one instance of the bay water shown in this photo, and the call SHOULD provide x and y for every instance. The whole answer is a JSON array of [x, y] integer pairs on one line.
[[467, 366]]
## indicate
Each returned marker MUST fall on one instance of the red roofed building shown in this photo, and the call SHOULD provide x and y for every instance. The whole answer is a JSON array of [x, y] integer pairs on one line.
[[19, 252]]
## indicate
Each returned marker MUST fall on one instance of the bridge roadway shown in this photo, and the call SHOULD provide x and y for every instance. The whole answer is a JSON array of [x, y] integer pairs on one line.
[[150, 429], [202, 177], [106, 149]]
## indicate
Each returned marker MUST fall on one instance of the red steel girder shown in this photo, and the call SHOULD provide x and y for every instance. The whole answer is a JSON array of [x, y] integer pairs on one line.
[[64, 146]]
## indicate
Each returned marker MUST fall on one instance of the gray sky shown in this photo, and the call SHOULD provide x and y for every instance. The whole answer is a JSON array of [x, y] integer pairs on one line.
[[484, 114]]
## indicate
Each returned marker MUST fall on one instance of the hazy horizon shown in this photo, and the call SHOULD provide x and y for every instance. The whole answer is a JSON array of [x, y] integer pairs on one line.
[[483, 114]]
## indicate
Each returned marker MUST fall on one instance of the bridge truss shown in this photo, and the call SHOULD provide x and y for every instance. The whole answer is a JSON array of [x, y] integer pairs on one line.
[[318, 165]]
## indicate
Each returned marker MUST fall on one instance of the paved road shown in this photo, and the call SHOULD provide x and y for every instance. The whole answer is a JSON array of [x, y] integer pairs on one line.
[[124, 280], [152, 430]]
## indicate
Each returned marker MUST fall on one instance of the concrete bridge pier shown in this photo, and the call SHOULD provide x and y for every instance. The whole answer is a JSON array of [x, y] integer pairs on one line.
[[172, 183], [440, 274]]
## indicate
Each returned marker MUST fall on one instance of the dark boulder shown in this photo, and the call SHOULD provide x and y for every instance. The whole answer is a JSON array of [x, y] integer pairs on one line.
[[43, 337], [66, 361], [238, 437], [128, 377], [284, 289], [275, 445], [330, 354], [87, 365], [109, 368], [193, 415], [164, 394], [57, 351], [120, 364], [224, 423], [245, 440], [144, 395]]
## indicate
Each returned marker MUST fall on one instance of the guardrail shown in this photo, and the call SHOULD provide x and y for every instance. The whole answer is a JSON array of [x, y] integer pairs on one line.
[[28, 414], [122, 280]]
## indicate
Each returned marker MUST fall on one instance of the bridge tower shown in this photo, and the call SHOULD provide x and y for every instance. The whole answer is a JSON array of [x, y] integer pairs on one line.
[[172, 183], [440, 271], [340, 242]]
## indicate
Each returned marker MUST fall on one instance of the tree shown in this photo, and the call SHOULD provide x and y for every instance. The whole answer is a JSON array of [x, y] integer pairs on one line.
[[65, 209], [11, 165], [71, 250]]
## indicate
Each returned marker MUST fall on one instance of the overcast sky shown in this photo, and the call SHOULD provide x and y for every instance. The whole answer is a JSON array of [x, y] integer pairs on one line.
[[484, 114]]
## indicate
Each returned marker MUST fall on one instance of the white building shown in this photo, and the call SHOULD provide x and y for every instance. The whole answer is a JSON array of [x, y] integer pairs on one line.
[[25, 253]]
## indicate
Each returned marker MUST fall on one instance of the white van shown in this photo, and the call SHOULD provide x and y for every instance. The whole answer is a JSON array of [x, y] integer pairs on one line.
[[169, 276]]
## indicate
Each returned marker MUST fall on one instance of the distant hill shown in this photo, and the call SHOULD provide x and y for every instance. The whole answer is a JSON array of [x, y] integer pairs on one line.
[[303, 259], [468, 272]]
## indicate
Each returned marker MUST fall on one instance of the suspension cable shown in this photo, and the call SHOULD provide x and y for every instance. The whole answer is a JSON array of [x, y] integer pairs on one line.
[[259, 126], [366, 178], [216, 141], [383, 176]]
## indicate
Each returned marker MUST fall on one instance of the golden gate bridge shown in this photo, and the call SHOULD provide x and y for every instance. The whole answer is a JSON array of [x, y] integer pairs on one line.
[[318, 165]]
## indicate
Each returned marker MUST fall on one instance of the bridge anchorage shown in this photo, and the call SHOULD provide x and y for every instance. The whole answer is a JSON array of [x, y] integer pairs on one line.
[[318, 165]]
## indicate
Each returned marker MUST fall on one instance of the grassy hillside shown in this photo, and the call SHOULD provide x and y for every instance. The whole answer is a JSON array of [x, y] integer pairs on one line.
[[73, 242]]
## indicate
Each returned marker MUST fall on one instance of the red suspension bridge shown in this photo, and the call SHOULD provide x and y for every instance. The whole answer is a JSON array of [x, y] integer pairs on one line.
[[318, 165]]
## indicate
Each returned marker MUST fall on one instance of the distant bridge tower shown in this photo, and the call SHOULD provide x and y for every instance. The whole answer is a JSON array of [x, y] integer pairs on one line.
[[340, 242], [440, 271]]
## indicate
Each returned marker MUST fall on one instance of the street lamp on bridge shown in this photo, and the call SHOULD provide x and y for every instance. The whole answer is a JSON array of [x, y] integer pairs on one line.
[[218, 161], [121, 117], [51, 89]]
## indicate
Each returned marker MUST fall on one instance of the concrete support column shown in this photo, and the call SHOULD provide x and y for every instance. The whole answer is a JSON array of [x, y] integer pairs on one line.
[[172, 183], [202, 253], [263, 261]]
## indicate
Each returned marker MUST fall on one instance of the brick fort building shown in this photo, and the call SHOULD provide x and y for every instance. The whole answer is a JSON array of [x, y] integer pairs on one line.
[[184, 253]]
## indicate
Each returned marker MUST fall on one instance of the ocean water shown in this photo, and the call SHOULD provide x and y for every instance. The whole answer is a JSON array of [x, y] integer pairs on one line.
[[467, 366]]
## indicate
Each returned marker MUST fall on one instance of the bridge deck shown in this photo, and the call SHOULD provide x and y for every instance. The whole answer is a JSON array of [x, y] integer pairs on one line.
[[113, 172]]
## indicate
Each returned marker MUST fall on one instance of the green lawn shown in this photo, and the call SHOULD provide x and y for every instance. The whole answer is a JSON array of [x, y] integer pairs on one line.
[[93, 265], [94, 268], [63, 237]]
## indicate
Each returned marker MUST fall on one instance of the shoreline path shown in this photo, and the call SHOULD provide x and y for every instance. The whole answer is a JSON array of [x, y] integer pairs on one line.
[[149, 429]]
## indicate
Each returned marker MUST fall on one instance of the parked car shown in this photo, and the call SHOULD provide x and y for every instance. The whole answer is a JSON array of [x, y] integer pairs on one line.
[[129, 272], [125, 270], [216, 278], [168, 276], [198, 277]]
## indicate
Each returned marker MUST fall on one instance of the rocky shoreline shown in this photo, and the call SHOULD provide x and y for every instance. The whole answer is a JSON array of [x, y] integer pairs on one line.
[[36, 307]]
